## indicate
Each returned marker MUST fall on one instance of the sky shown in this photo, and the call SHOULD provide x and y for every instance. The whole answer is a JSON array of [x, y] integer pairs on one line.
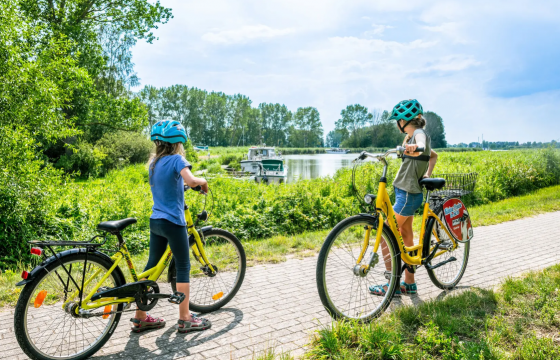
[[490, 69]]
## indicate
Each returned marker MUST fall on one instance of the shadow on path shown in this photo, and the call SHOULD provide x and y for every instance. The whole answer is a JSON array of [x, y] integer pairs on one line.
[[169, 346]]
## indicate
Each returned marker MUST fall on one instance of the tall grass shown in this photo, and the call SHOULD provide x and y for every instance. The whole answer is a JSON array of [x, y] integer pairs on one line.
[[253, 210]]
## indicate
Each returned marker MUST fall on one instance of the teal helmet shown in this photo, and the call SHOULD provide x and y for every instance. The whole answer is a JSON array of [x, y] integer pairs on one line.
[[406, 110], [170, 131]]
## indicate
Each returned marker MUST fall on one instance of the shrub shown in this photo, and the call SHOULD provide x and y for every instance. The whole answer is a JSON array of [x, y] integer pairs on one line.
[[123, 148], [86, 160]]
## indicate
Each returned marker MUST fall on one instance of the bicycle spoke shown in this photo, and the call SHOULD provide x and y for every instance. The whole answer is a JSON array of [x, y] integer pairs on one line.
[[51, 330], [347, 291]]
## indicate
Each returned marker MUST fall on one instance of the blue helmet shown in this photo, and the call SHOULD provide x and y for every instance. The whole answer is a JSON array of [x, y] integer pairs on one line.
[[406, 110], [170, 131]]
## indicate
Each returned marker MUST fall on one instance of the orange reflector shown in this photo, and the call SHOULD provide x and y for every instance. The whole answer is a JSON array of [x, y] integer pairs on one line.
[[40, 298], [218, 296], [106, 311]]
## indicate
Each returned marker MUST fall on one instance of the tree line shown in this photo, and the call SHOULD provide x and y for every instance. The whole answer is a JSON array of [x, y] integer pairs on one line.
[[217, 119], [360, 128]]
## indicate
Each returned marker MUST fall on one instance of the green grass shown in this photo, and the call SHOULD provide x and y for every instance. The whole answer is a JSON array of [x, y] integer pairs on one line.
[[521, 320]]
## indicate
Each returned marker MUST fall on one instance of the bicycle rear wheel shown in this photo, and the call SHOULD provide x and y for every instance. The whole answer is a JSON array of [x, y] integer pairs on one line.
[[448, 275], [44, 330], [343, 288], [209, 292]]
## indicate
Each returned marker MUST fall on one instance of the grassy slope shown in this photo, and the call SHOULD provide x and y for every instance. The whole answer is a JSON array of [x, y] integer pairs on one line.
[[519, 321], [278, 248]]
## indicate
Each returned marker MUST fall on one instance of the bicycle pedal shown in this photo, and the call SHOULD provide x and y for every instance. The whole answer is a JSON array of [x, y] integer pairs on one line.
[[176, 298]]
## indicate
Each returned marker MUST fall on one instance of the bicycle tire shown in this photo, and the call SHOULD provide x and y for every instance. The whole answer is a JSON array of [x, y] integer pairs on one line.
[[197, 306], [437, 275], [321, 277], [25, 301]]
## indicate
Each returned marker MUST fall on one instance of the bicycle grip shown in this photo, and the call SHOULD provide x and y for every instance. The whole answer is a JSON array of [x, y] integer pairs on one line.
[[197, 188]]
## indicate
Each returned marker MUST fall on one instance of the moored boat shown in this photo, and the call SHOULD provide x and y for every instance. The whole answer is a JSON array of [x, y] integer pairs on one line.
[[337, 151], [265, 164]]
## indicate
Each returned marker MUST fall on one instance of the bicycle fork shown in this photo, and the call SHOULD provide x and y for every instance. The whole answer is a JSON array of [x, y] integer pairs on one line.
[[363, 269]]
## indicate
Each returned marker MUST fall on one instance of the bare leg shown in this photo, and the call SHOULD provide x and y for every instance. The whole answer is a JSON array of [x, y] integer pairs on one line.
[[405, 226], [184, 313]]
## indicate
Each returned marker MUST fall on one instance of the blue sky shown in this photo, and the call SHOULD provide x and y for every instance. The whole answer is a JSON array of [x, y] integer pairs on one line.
[[486, 67]]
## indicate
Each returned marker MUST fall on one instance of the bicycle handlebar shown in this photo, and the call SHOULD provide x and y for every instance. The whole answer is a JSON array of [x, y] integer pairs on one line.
[[196, 188], [399, 150]]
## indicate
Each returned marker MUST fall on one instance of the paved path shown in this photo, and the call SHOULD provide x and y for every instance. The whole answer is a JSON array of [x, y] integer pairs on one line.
[[278, 305]]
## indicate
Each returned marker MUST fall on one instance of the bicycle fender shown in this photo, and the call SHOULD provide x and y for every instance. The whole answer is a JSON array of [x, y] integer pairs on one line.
[[52, 259], [373, 217], [205, 229]]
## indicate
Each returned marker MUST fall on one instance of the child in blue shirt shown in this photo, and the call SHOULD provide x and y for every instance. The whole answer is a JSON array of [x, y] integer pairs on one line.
[[168, 172]]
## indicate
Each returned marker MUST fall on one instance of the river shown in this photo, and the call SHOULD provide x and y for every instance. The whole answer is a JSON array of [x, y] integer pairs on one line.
[[301, 167]]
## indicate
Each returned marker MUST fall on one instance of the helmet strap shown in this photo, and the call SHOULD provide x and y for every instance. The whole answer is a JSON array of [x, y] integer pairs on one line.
[[401, 128]]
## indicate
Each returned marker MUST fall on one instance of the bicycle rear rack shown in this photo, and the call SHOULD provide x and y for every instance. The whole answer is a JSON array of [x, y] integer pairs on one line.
[[46, 244]]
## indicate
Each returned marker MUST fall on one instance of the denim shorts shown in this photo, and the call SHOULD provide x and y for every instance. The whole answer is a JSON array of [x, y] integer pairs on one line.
[[407, 203]]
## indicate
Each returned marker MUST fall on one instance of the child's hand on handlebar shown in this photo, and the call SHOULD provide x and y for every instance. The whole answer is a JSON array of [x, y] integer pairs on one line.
[[410, 148], [204, 187]]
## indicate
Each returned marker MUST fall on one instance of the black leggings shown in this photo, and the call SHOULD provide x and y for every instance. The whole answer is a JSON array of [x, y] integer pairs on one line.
[[163, 231]]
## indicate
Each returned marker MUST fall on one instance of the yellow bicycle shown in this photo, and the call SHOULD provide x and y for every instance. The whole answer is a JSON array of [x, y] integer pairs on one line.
[[73, 301], [368, 249]]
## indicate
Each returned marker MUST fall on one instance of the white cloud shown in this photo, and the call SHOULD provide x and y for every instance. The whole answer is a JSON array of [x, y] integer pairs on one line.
[[245, 34], [327, 54], [377, 30], [450, 63]]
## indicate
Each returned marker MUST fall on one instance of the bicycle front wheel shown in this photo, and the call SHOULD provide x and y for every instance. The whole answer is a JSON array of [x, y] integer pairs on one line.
[[45, 330], [344, 288], [454, 261], [211, 291]]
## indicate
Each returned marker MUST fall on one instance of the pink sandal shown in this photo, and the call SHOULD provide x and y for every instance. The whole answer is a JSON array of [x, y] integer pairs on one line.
[[148, 323], [196, 324]]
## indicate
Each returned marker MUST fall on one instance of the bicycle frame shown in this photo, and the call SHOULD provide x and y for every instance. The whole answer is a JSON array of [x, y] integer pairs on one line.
[[150, 274], [383, 205]]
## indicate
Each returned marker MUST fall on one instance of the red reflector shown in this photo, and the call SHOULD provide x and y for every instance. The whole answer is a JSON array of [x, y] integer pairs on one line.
[[36, 251], [24, 275]]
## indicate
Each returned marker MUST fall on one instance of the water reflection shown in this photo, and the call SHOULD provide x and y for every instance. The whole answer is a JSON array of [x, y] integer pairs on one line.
[[301, 167]]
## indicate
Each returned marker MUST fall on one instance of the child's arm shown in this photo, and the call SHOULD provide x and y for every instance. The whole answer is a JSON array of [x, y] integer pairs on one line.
[[194, 181], [432, 163]]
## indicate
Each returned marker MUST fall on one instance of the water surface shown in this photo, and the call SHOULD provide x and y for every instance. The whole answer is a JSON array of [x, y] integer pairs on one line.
[[307, 166]]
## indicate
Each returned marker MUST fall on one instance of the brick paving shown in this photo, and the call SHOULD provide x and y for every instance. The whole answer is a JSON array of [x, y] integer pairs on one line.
[[278, 306]]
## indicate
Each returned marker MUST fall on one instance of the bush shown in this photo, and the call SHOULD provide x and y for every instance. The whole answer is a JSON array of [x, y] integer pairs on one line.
[[28, 188], [86, 160], [123, 148]]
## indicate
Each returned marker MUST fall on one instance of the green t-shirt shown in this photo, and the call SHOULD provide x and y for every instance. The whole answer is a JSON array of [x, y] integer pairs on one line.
[[413, 170]]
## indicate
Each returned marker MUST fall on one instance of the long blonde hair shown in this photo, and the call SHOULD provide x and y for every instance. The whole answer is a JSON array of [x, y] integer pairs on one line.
[[165, 149], [418, 122]]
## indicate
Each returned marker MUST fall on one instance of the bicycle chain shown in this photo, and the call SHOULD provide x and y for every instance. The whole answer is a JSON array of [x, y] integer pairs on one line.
[[108, 313]]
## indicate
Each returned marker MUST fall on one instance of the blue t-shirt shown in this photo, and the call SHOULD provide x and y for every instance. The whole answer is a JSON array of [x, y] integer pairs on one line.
[[168, 190]]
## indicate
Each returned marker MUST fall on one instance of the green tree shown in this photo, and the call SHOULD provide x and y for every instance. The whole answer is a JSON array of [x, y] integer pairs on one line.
[[101, 34], [436, 130], [36, 80], [276, 120], [308, 130], [336, 137], [353, 118], [386, 133]]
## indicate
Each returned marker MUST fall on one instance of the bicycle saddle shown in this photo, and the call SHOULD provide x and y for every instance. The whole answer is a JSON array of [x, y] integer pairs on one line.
[[115, 226], [432, 184]]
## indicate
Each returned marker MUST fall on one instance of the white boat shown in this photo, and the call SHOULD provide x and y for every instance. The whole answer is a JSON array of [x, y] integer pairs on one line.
[[337, 151], [265, 164]]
